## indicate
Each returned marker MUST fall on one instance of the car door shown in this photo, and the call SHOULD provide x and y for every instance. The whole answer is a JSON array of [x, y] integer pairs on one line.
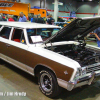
[[17, 47], [4, 39]]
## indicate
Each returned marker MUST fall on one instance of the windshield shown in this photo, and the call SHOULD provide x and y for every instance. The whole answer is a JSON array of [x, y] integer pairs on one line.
[[40, 35]]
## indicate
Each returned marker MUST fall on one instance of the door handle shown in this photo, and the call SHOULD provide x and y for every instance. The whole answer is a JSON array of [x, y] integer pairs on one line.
[[7, 45]]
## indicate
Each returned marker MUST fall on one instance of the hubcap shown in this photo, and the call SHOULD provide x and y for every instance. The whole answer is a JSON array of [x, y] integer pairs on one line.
[[46, 82]]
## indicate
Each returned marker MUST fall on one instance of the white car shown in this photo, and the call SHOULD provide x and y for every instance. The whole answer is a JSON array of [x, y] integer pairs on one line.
[[58, 57]]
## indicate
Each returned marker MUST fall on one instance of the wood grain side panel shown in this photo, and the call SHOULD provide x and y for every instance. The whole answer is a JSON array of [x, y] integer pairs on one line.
[[34, 59], [3, 48], [17, 53]]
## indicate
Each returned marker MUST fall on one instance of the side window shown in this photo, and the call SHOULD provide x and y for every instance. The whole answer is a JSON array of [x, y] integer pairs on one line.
[[5, 32], [45, 33], [31, 32], [18, 36], [40, 34]]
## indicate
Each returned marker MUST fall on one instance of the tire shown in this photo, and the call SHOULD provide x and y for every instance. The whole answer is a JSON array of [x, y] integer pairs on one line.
[[48, 84]]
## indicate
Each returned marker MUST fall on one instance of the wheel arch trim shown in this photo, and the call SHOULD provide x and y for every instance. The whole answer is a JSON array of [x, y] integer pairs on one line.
[[45, 67]]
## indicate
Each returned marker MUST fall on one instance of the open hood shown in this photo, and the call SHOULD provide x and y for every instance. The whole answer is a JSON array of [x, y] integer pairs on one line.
[[76, 30]]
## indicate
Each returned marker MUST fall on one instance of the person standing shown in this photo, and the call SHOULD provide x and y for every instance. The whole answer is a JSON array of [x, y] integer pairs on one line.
[[31, 18], [97, 35], [40, 19], [50, 20], [3, 17], [15, 18], [22, 17], [10, 18], [34, 19]]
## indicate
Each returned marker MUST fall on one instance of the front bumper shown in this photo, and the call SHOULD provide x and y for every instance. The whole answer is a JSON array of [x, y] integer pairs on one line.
[[87, 80]]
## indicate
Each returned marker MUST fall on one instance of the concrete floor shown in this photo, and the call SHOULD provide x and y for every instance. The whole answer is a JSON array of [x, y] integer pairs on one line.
[[14, 80]]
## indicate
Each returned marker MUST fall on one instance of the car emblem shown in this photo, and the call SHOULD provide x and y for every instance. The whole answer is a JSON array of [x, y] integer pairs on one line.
[[65, 72]]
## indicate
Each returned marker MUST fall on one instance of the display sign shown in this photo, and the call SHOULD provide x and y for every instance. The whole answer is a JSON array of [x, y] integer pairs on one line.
[[14, 8], [36, 38], [2, 4]]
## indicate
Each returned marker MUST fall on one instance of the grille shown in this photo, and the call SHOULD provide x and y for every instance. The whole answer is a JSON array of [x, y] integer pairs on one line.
[[93, 67]]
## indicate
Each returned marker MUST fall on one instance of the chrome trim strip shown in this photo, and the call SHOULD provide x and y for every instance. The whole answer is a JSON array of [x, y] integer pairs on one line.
[[44, 66], [62, 83], [71, 85], [30, 69], [17, 64], [3, 56], [67, 85], [92, 65], [81, 84]]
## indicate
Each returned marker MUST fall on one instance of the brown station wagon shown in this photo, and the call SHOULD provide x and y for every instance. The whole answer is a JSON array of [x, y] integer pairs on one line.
[[60, 58]]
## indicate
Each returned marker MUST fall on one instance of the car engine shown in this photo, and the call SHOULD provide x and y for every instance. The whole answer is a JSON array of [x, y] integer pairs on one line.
[[78, 53]]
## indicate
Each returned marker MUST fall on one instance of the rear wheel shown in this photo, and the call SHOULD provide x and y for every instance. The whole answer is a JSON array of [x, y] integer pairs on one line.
[[48, 83]]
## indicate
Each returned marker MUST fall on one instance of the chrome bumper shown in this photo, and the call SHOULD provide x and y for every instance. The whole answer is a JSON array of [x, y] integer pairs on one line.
[[80, 82]]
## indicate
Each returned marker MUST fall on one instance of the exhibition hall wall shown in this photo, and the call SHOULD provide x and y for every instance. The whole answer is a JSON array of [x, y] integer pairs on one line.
[[63, 11], [83, 9], [87, 9]]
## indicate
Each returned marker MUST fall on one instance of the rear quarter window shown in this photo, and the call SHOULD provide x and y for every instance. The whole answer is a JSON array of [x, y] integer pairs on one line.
[[5, 32]]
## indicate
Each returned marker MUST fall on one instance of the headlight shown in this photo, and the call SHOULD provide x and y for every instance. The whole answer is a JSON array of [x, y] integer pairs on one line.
[[77, 73], [80, 72], [83, 71]]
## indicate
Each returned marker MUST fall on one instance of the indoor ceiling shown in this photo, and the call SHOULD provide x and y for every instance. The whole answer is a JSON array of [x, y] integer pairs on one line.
[[87, 0]]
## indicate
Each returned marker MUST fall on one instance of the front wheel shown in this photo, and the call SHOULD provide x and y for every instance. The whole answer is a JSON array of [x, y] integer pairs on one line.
[[48, 83]]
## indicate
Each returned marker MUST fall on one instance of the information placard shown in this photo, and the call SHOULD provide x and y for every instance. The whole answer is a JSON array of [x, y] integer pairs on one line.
[[36, 38]]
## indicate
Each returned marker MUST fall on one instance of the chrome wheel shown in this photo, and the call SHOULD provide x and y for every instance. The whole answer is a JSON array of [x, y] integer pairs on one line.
[[46, 82]]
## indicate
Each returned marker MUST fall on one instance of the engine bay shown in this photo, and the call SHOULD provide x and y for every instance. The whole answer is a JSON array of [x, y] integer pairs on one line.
[[79, 53]]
